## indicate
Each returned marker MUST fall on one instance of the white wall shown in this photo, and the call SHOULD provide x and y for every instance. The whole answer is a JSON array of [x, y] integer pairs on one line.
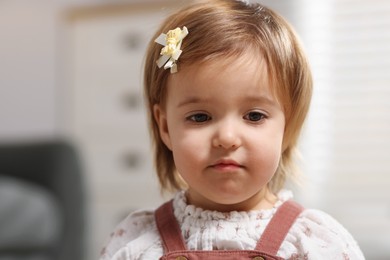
[[28, 100]]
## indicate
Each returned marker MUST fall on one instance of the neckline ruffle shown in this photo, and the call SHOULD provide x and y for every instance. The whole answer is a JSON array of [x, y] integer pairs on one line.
[[182, 210]]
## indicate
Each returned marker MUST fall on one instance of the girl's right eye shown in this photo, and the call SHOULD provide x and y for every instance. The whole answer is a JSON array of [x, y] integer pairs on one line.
[[198, 118]]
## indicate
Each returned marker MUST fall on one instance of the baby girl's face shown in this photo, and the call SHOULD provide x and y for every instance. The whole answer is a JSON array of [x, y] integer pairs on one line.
[[225, 129]]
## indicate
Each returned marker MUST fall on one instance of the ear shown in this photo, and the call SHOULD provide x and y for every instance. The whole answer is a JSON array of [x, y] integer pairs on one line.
[[161, 119]]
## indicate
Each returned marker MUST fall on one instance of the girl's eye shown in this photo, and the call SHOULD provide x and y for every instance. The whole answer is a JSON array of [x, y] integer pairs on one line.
[[199, 118], [254, 116]]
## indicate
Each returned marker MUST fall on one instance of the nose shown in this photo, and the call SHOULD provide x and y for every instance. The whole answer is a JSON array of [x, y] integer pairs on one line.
[[227, 136]]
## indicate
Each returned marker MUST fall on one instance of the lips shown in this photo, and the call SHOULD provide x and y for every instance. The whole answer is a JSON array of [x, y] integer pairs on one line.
[[226, 165]]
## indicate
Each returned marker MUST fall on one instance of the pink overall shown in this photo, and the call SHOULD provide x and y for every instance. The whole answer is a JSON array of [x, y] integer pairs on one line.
[[266, 248]]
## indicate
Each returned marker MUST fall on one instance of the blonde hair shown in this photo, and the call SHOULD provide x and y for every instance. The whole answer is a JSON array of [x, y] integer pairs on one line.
[[226, 28]]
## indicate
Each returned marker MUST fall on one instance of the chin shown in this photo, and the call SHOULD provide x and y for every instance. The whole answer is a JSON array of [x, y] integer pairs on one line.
[[230, 201]]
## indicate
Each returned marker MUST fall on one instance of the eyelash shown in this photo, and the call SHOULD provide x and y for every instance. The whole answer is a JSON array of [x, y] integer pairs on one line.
[[257, 114], [193, 118], [203, 117]]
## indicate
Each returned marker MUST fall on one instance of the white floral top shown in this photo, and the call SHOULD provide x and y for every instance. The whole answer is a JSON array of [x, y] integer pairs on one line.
[[314, 235]]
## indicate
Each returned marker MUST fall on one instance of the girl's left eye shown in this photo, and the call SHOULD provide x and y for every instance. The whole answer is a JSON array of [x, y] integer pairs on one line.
[[254, 116]]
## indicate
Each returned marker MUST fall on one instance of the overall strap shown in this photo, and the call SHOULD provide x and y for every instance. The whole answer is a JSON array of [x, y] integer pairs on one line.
[[169, 228], [277, 229]]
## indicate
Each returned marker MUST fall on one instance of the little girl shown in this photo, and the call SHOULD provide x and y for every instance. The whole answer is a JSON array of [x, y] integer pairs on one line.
[[228, 88]]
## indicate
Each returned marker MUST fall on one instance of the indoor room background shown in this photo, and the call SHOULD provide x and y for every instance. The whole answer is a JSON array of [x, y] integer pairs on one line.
[[72, 70]]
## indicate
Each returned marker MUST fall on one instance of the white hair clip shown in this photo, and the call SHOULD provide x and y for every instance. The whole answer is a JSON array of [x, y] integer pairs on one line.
[[171, 51]]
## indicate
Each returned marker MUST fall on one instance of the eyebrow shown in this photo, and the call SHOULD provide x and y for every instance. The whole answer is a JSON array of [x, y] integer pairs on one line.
[[192, 100], [250, 99], [262, 99]]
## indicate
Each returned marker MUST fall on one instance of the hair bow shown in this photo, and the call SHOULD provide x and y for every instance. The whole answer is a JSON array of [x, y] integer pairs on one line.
[[171, 51]]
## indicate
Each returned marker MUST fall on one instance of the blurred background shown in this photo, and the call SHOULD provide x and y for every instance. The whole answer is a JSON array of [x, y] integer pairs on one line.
[[72, 119]]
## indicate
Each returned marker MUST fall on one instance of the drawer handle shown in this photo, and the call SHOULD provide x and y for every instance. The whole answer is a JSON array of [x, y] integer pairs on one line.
[[133, 41], [132, 101], [132, 160]]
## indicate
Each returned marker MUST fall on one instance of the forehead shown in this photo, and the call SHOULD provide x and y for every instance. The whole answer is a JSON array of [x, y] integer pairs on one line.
[[247, 72]]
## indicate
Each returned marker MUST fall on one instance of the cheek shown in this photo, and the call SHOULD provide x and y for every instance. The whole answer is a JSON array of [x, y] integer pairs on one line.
[[276, 143], [276, 150], [265, 156], [276, 134], [266, 151], [189, 148]]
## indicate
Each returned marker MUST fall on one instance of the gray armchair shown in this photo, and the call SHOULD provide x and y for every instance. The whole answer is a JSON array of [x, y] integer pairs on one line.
[[42, 202]]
